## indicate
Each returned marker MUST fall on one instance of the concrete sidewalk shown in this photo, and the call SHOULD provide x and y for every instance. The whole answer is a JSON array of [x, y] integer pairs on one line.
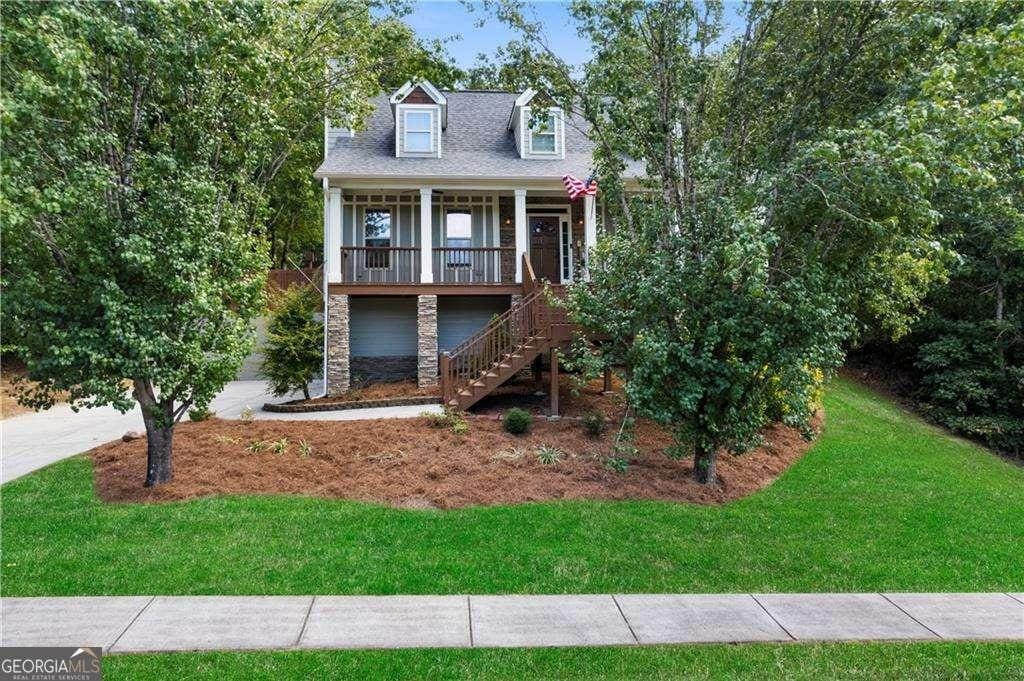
[[31, 441], [168, 623]]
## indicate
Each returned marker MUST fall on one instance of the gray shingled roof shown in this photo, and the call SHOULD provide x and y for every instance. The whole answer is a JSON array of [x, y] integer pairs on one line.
[[476, 144]]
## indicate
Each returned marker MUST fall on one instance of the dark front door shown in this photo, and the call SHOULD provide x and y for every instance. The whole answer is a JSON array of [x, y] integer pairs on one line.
[[544, 247]]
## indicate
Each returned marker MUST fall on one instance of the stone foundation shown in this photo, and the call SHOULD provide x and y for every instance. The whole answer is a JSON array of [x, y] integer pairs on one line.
[[367, 370], [337, 344], [426, 340]]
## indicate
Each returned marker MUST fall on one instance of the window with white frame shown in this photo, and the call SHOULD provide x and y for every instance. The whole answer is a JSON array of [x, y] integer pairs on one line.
[[542, 136], [419, 130], [377, 237], [458, 234], [565, 241]]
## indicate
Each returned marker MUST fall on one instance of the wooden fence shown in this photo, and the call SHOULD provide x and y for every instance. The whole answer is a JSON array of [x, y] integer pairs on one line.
[[282, 279]]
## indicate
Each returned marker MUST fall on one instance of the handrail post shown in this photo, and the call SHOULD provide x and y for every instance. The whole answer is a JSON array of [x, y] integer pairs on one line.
[[446, 382]]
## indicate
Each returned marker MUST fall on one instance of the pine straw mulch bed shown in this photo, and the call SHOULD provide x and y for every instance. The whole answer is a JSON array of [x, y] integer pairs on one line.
[[408, 463], [374, 392]]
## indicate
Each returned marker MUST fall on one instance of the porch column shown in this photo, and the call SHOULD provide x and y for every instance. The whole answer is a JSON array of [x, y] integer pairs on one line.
[[522, 233], [426, 237], [589, 231], [333, 240]]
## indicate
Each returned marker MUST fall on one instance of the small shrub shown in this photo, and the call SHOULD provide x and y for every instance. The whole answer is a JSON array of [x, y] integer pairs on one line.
[[226, 439], [594, 424], [279, 446], [617, 463], [625, 450], [517, 421], [293, 353], [247, 414], [199, 414], [549, 455], [257, 446], [449, 418], [435, 420], [510, 454], [305, 449]]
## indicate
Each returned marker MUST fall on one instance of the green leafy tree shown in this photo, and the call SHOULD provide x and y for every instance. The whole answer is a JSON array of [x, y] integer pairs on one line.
[[293, 354], [371, 53], [969, 100], [139, 142], [776, 220]]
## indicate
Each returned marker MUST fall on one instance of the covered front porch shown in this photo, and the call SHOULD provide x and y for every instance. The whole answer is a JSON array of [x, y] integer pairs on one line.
[[453, 238]]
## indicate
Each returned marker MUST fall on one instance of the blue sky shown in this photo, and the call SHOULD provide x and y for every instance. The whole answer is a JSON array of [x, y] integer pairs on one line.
[[451, 20]]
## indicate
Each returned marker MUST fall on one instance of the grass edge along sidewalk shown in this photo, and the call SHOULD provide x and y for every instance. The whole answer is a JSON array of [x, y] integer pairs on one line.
[[882, 502]]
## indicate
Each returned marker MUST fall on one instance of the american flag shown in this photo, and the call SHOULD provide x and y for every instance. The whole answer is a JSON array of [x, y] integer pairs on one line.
[[577, 188]]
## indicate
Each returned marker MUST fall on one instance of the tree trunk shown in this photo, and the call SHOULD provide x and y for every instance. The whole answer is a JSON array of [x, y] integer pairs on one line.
[[159, 420], [305, 390], [704, 465], [158, 454]]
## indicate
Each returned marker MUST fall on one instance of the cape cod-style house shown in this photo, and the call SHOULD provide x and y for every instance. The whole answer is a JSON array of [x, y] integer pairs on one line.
[[442, 221]]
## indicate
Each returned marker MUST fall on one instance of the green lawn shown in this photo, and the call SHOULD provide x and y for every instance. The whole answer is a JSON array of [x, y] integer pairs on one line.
[[882, 501], [756, 662]]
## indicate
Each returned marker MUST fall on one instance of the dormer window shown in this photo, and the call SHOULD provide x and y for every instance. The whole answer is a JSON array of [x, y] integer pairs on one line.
[[538, 126], [419, 130], [421, 113], [542, 136]]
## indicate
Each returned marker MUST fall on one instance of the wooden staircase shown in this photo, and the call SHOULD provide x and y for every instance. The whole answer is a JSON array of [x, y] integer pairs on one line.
[[506, 346]]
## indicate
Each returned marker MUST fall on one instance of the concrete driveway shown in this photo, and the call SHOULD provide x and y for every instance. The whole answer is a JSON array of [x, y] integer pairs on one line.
[[31, 441]]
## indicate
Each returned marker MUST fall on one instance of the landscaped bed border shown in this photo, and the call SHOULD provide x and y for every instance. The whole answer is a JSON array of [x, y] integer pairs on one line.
[[297, 408]]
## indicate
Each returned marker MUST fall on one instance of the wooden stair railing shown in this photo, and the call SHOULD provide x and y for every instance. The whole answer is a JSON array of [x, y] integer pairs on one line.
[[505, 346]]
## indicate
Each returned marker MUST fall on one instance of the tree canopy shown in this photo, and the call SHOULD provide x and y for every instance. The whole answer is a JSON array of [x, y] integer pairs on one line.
[[142, 144], [796, 187]]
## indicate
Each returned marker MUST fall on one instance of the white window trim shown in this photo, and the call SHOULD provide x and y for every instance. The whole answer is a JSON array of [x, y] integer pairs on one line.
[[467, 210], [391, 237], [553, 134], [406, 113], [565, 249], [433, 110], [526, 134]]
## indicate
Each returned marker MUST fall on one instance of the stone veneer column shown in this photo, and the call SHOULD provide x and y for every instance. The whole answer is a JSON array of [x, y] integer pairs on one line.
[[426, 340], [337, 344]]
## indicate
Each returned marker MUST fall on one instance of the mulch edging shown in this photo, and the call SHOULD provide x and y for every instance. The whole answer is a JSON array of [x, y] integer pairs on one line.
[[293, 408]]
